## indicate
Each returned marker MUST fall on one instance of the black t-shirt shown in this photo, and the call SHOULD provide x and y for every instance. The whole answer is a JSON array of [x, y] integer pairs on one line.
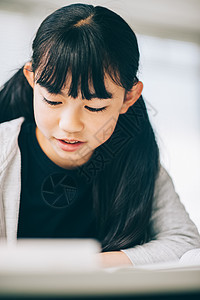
[[55, 202]]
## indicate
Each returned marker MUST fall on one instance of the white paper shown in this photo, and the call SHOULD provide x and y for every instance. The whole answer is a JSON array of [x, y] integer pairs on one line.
[[46, 256]]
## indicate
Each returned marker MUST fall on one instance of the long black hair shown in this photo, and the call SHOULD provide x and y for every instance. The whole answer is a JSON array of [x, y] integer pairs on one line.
[[83, 43]]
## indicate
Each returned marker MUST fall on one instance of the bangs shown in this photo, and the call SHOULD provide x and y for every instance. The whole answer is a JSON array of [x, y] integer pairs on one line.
[[76, 60]]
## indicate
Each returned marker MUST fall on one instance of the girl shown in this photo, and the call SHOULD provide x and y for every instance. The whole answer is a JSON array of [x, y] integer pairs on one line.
[[78, 154]]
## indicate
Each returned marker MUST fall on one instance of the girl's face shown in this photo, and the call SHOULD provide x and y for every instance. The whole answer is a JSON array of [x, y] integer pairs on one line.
[[60, 119]]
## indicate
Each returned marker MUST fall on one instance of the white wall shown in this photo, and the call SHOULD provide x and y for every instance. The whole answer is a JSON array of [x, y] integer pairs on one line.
[[170, 71]]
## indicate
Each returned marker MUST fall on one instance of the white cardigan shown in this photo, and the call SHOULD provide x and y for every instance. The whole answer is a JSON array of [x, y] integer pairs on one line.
[[172, 231]]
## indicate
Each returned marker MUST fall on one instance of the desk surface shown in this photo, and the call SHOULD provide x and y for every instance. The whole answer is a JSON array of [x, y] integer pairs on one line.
[[102, 283]]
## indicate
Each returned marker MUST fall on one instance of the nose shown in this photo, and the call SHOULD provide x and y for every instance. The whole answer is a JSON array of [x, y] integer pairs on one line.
[[70, 120]]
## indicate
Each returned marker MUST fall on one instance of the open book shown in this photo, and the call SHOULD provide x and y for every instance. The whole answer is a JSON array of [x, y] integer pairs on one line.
[[190, 260], [191, 257]]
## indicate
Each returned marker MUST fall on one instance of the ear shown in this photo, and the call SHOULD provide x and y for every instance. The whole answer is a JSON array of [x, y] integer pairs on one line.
[[131, 97], [28, 73]]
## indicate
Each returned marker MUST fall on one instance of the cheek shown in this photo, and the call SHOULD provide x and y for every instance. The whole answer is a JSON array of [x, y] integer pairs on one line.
[[43, 117], [104, 129]]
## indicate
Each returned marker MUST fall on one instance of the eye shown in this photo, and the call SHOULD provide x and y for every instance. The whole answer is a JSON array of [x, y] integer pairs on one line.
[[96, 109], [52, 103]]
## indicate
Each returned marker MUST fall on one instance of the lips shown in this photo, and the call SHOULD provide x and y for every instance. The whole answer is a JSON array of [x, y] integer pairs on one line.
[[70, 140], [69, 145]]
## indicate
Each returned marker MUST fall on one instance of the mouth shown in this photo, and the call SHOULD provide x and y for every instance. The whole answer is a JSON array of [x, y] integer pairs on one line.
[[71, 141], [69, 145]]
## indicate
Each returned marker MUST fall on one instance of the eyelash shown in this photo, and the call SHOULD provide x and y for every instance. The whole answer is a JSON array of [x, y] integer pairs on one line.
[[54, 103], [96, 109]]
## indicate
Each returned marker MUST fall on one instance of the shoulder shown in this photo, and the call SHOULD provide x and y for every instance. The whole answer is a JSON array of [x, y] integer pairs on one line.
[[166, 201], [167, 207], [164, 185], [169, 217], [9, 132]]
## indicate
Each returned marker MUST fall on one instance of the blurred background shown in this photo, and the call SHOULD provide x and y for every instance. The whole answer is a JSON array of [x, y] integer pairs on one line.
[[168, 33]]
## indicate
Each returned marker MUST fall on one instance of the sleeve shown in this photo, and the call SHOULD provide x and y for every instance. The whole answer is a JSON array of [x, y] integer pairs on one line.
[[171, 229]]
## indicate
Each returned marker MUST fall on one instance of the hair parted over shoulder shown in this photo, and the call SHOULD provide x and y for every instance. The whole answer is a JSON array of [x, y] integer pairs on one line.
[[79, 45]]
